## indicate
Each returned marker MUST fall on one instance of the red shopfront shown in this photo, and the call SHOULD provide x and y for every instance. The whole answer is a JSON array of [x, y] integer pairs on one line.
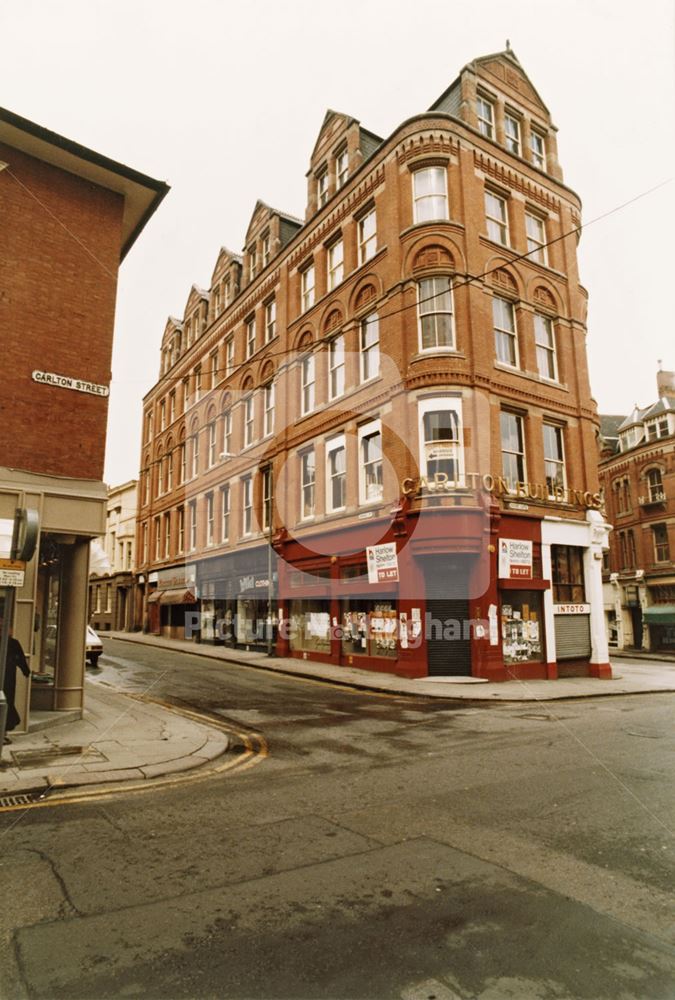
[[448, 613]]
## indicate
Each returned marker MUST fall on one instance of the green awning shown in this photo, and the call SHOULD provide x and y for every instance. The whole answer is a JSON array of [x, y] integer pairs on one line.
[[660, 614]]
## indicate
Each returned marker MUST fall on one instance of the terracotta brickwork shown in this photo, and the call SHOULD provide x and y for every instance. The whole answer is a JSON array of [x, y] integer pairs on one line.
[[436, 267]]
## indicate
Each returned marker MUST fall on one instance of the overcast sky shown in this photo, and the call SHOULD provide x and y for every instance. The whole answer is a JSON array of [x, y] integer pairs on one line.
[[224, 101]]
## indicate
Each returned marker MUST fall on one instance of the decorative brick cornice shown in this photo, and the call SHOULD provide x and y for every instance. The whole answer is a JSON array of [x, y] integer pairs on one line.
[[344, 210], [426, 145], [517, 182]]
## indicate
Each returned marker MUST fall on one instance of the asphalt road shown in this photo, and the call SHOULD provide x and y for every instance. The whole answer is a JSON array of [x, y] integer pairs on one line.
[[388, 847]]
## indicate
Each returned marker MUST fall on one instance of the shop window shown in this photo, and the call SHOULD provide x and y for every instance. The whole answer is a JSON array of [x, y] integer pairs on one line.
[[522, 626], [310, 626], [369, 628], [567, 566]]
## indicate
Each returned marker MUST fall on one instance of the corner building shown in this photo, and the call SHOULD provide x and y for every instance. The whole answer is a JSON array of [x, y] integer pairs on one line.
[[401, 380]]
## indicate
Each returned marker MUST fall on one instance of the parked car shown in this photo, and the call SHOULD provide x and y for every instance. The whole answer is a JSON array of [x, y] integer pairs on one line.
[[94, 646]]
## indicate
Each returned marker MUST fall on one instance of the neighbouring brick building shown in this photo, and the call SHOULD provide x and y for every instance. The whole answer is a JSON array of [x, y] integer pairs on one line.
[[69, 216], [637, 472], [111, 586], [372, 440]]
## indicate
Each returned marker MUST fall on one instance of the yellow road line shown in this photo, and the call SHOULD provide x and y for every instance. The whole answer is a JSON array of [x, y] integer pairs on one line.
[[256, 752]]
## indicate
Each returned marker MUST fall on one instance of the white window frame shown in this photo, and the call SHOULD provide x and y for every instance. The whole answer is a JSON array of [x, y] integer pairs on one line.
[[369, 351], [270, 320], [229, 356], [430, 205], [249, 420], [166, 531], [512, 140], [545, 347], [336, 263], [535, 229], [247, 505], [158, 536], [307, 384], [537, 148], [250, 337], [169, 471], [434, 404], [506, 332], [322, 187], [162, 415], [558, 462], [367, 236], [195, 454], [210, 519], [266, 249], [341, 168], [307, 280], [267, 497], [225, 512], [213, 438], [334, 445], [182, 463], [181, 528], [227, 434], [268, 405], [365, 432], [172, 406], [307, 485], [252, 262], [485, 112], [429, 301], [336, 367], [497, 218], [192, 509], [519, 455]]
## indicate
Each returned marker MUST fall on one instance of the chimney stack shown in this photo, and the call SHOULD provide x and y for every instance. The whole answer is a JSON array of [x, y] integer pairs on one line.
[[665, 382]]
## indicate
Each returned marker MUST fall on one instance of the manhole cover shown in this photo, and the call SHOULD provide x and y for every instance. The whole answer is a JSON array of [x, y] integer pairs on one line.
[[53, 756]]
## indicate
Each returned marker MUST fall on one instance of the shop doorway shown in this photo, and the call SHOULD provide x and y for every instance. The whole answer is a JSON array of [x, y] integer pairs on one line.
[[447, 620], [636, 621]]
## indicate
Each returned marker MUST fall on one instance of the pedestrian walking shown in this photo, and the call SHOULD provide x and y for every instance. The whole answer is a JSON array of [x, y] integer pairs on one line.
[[16, 660]]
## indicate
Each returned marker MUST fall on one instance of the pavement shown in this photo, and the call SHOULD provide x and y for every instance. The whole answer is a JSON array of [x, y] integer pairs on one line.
[[125, 738]]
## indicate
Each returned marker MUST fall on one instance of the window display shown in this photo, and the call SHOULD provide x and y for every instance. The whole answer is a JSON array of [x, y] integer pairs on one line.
[[310, 626], [369, 628], [522, 626]]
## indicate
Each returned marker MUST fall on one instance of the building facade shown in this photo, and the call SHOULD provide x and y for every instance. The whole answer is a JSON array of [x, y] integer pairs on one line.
[[111, 582], [637, 471], [373, 441], [69, 216]]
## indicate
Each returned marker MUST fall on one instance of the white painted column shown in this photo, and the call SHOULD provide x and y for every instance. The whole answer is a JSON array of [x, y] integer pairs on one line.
[[599, 532]]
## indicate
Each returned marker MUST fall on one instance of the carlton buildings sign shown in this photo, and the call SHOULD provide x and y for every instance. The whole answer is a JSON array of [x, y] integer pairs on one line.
[[498, 486]]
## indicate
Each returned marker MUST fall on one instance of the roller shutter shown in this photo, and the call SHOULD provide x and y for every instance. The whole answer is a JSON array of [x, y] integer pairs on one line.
[[572, 637], [447, 657]]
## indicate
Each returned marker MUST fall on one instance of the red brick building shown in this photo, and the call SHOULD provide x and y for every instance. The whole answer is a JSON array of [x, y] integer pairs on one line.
[[637, 473], [397, 383], [69, 216]]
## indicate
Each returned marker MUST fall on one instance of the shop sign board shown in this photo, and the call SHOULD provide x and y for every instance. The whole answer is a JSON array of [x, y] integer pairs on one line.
[[382, 563], [515, 559], [571, 609]]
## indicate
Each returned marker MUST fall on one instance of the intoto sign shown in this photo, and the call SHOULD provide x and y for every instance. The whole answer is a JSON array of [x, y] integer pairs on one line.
[[498, 486], [66, 382], [571, 609]]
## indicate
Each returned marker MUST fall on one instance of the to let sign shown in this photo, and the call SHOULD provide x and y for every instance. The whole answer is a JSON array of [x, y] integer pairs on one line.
[[515, 559], [382, 563]]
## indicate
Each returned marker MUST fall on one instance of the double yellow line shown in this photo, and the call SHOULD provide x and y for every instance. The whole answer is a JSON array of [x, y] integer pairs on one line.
[[255, 752]]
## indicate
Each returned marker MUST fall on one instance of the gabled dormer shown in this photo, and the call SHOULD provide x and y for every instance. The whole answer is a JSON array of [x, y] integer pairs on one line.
[[172, 344], [195, 317], [268, 231], [225, 281], [340, 149], [494, 95]]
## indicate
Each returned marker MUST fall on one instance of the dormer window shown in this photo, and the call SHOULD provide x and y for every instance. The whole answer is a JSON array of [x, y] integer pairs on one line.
[[485, 110], [252, 263], [227, 292], [216, 301], [537, 149], [266, 245], [341, 168], [322, 188], [512, 134]]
